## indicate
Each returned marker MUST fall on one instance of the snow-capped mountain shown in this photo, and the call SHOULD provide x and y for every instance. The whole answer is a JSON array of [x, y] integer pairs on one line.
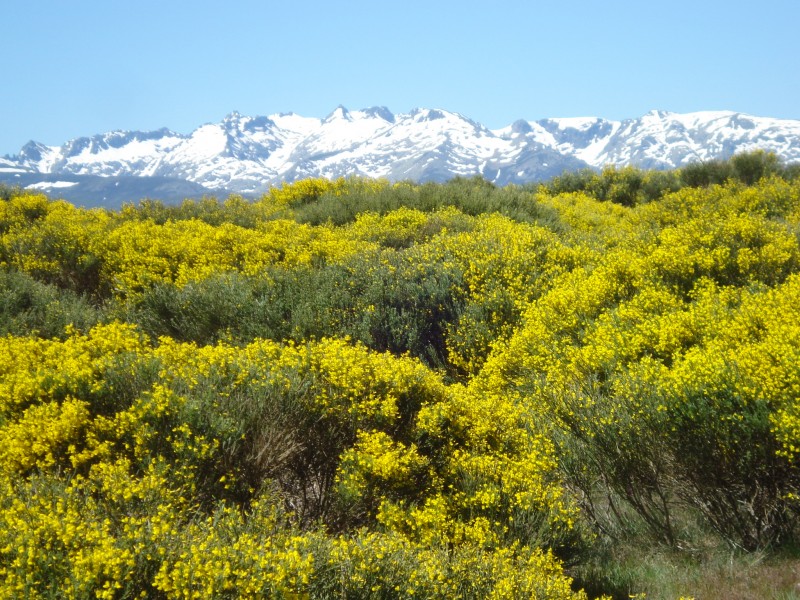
[[249, 154], [665, 140]]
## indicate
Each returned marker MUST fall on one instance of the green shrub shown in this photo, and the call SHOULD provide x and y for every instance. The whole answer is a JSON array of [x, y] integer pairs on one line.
[[28, 307]]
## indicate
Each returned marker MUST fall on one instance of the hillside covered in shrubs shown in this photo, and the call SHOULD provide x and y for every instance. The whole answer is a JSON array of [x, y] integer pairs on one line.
[[364, 389]]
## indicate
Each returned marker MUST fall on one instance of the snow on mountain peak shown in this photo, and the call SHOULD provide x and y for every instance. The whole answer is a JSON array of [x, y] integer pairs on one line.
[[427, 114], [248, 154], [380, 112], [577, 123], [339, 113]]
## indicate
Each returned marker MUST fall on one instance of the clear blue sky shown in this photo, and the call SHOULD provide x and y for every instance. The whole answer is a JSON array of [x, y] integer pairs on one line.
[[89, 66]]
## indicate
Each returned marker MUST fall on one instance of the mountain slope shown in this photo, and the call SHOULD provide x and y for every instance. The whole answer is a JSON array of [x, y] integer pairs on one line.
[[108, 192]]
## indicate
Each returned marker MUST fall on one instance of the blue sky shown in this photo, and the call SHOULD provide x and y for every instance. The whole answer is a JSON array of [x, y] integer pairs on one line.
[[84, 67]]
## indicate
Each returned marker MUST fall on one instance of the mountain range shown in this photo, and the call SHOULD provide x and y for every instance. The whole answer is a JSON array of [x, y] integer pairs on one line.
[[247, 155]]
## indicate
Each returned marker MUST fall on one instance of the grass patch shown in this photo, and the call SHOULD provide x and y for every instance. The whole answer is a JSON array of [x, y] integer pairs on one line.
[[659, 573]]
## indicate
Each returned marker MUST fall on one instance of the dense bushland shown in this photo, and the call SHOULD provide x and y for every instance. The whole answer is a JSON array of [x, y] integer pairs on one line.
[[355, 388]]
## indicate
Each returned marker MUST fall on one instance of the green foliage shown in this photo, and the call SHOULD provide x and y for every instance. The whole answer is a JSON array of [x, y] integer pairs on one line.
[[473, 196], [751, 167], [28, 306], [235, 210], [202, 311], [628, 186], [7, 192], [385, 300], [747, 168]]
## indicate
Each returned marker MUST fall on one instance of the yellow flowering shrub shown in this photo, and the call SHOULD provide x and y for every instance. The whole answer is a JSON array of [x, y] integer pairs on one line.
[[59, 541], [597, 362], [590, 220], [22, 208], [141, 253], [505, 265], [42, 435], [379, 565], [405, 227], [235, 555], [163, 475], [306, 190], [661, 377], [33, 369], [732, 250], [53, 241]]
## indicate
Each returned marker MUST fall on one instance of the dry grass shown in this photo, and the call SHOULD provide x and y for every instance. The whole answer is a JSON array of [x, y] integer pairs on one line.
[[747, 578]]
